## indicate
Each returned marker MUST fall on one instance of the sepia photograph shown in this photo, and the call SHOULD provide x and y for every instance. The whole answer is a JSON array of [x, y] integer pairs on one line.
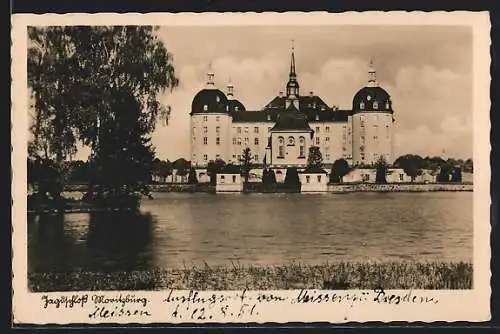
[[260, 157]]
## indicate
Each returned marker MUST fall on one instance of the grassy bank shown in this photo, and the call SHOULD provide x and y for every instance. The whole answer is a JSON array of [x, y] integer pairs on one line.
[[343, 275]]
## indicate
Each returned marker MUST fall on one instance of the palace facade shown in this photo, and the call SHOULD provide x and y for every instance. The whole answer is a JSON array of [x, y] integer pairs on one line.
[[281, 133]]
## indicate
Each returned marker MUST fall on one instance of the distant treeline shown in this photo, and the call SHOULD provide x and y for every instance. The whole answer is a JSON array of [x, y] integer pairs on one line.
[[79, 171]]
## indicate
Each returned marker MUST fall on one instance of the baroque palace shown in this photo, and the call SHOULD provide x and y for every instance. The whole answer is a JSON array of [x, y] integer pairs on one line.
[[281, 133]]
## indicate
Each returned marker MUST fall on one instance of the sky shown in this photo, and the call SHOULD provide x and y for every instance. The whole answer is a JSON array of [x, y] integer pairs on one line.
[[427, 70]]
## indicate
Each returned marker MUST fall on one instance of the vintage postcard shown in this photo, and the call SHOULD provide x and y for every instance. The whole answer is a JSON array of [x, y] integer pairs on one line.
[[251, 168]]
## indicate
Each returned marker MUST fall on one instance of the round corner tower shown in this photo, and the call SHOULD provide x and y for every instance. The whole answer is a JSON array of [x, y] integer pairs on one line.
[[372, 123]]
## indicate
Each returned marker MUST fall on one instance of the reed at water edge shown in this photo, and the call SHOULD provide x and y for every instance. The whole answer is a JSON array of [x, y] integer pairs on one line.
[[295, 275]]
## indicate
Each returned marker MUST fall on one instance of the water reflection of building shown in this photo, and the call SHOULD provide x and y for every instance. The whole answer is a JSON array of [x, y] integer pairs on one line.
[[281, 133]]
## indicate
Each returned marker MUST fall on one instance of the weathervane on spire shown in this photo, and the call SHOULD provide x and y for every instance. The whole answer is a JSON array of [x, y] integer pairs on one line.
[[372, 75], [230, 88], [210, 74]]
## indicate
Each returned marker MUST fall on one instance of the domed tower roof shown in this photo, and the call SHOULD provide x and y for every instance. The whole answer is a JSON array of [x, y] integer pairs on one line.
[[372, 97], [210, 99], [233, 105]]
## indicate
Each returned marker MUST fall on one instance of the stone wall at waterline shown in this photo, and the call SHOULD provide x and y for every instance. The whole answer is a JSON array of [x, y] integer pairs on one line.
[[399, 187]]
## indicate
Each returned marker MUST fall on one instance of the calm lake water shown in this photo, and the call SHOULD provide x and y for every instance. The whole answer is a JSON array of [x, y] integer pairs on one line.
[[178, 229]]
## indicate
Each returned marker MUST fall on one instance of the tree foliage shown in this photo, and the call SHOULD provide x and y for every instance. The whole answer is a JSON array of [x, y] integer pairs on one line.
[[213, 168], [246, 163], [124, 156], [268, 177], [292, 180], [192, 177], [77, 73], [314, 158], [381, 166], [340, 168]]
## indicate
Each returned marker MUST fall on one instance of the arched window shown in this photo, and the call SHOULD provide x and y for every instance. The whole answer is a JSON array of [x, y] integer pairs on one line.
[[281, 147], [387, 106], [302, 147], [205, 107], [291, 141], [375, 105], [362, 105]]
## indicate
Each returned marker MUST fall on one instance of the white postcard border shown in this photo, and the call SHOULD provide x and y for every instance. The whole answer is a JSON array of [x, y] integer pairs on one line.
[[456, 305]]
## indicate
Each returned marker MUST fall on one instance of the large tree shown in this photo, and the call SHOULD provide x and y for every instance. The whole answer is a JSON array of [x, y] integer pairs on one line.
[[314, 158], [381, 167], [411, 164], [340, 168], [75, 74], [213, 168], [246, 163]]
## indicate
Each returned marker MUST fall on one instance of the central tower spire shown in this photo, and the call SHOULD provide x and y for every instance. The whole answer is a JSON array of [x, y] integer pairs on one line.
[[292, 87], [292, 64]]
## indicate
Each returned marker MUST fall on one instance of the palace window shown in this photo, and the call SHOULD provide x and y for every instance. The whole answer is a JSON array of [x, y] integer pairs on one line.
[[205, 157], [205, 140], [239, 129], [319, 178], [291, 141], [247, 141], [239, 141], [246, 129], [222, 178], [234, 178], [401, 177], [234, 140], [317, 140], [205, 118], [205, 129], [217, 129], [217, 118], [217, 141], [328, 156], [317, 129], [256, 141], [205, 108], [362, 123], [302, 147], [281, 147], [375, 137], [327, 139], [362, 105], [308, 178], [256, 129], [327, 129]]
